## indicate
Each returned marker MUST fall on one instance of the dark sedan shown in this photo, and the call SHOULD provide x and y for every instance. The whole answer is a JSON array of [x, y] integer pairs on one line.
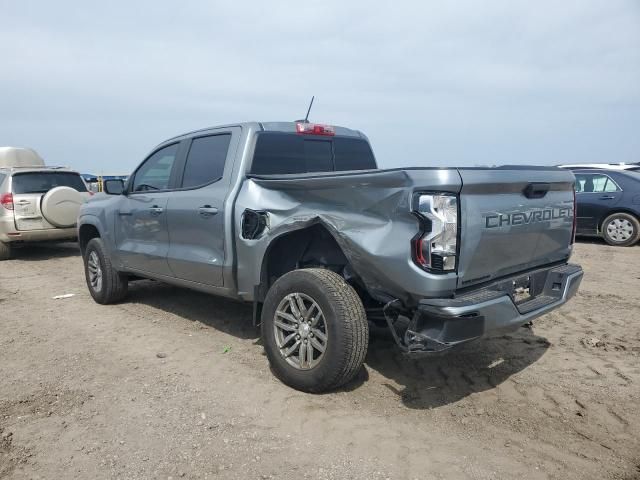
[[608, 205]]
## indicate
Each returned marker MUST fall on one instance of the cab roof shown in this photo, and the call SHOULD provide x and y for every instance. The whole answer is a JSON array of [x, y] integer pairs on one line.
[[284, 127]]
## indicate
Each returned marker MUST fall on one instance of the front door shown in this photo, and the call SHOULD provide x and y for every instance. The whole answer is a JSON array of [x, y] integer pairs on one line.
[[142, 236]]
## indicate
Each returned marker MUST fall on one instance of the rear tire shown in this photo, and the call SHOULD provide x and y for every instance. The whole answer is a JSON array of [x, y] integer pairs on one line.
[[331, 325], [5, 251], [621, 229], [106, 285]]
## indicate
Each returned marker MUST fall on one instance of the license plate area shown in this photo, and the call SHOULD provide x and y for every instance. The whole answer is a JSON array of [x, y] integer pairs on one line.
[[521, 289], [25, 209]]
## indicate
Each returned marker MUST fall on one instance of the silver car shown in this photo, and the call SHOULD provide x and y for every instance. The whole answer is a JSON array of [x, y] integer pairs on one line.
[[38, 203]]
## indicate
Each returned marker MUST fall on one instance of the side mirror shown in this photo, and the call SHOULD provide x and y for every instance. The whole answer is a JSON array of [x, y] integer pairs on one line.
[[113, 187]]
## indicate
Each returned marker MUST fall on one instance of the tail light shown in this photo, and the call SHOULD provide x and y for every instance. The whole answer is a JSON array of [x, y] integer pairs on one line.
[[315, 129], [6, 201], [575, 217], [436, 248]]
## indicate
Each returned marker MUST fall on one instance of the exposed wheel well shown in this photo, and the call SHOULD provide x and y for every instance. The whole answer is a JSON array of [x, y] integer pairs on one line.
[[86, 233], [309, 247]]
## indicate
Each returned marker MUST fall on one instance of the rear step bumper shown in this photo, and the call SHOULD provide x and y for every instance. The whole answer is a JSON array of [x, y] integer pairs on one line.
[[440, 324]]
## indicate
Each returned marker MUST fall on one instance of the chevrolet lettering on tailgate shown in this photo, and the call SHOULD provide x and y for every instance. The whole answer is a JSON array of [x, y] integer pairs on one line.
[[528, 217]]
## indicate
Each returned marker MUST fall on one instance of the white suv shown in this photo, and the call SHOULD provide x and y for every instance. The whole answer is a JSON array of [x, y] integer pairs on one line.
[[37, 203]]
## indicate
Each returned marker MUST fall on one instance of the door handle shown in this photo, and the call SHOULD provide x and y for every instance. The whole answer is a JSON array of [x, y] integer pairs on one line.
[[607, 197], [156, 210], [124, 214], [207, 210]]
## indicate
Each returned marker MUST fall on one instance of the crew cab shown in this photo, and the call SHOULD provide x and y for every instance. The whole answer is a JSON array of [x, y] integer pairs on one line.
[[296, 218]]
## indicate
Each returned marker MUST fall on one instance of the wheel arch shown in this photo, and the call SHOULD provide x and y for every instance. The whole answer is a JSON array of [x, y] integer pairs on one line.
[[314, 245], [614, 211], [86, 232]]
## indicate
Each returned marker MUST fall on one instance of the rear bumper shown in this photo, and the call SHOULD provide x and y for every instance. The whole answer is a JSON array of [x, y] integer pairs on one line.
[[8, 233], [440, 324]]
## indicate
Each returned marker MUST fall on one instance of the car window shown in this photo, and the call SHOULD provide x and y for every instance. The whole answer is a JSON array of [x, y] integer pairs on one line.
[[290, 153], [317, 156], [278, 153], [155, 172], [353, 154], [595, 183], [2, 177], [42, 182], [205, 161], [610, 186]]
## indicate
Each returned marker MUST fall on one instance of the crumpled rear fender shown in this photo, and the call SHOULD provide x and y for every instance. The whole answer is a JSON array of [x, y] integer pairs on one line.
[[368, 214]]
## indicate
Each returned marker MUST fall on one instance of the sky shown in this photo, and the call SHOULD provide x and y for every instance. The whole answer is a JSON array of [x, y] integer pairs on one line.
[[96, 86]]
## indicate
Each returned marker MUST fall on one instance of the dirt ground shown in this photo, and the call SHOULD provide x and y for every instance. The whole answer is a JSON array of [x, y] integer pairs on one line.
[[174, 384]]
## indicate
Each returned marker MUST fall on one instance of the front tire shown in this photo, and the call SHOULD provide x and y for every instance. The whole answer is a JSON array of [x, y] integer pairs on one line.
[[106, 285], [621, 229], [5, 251], [314, 329]]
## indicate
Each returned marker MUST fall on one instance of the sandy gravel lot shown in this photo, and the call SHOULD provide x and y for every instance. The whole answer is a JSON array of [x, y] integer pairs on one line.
[[84, 394]]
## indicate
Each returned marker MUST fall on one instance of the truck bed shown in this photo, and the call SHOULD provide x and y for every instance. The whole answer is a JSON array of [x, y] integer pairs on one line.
[[369, 214]]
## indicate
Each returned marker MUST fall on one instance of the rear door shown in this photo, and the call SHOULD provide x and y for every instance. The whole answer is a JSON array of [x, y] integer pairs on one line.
[[142, 236], [596, 194], [196, 211], [513, 219], [28, 188]]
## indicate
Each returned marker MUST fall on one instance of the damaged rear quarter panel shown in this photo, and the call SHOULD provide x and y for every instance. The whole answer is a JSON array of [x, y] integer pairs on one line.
[[367, 213]]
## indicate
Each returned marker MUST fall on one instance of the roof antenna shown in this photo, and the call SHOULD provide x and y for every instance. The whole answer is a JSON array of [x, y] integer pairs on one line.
[[306, 119]]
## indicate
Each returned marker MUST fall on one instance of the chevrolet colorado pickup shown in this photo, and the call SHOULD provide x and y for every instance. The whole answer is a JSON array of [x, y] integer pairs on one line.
[[297, 219]]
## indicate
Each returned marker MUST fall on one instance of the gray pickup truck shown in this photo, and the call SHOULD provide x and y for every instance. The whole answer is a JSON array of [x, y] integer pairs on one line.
[[297, 219]]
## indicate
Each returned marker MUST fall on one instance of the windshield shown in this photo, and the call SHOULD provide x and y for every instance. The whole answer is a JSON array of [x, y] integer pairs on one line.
[[284, 153], [42, 182]]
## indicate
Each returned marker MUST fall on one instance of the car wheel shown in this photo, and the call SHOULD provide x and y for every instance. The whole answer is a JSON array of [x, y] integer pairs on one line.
[[621, 229], [106, 285], [5, 251], [314, 329]]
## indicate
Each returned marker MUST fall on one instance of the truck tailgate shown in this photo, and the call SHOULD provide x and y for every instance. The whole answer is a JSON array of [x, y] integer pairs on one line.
[[513, 219]]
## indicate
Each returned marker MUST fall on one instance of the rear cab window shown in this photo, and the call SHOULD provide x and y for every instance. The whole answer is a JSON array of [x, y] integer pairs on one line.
[[42, 182], [278, 153]]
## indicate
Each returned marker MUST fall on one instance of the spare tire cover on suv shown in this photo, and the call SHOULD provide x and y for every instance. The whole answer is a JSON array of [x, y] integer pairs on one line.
[[61, 206]]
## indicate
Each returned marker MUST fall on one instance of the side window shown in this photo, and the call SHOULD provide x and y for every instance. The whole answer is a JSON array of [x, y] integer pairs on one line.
[[205, 162], [2, 177], [594, 183], [580, 179], [155, 172], [599, 183], [610, 186]]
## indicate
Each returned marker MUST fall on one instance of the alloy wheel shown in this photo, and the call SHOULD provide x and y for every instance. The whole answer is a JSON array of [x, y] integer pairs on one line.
[[300, 331], [95, 272]]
